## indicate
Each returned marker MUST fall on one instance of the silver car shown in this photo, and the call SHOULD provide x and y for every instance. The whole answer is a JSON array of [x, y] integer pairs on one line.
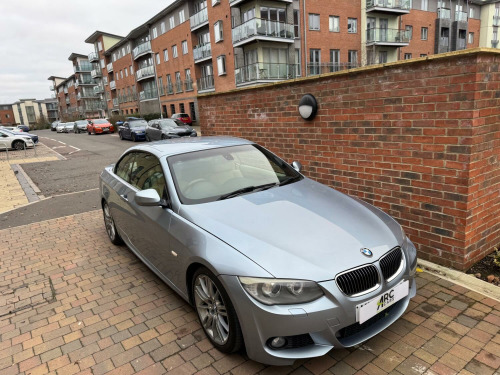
[[14, 140], [268, 258], [168, 128]]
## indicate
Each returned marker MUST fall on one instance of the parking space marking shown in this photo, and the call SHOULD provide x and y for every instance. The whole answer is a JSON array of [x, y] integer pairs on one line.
[[61, 142], [53, 148], [76, 148]]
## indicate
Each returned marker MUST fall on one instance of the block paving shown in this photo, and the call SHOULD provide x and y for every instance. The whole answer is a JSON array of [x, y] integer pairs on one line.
[[112, 315]]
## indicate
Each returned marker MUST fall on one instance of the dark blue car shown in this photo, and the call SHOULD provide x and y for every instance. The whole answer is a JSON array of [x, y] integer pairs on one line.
[[133, 129]]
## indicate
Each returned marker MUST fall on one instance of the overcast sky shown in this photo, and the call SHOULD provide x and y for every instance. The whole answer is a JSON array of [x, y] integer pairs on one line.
[[37, 37]]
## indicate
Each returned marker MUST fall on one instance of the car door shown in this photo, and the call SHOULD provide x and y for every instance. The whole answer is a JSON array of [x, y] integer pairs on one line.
[[154, 131], [5, 140], [126, 131]]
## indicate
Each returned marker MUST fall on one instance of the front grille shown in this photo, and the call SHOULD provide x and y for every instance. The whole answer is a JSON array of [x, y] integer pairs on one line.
[[390, 263], [293, 342], [358, 280]]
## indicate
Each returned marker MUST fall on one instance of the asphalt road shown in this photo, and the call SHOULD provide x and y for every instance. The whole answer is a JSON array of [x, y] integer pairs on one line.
[[70, 185]]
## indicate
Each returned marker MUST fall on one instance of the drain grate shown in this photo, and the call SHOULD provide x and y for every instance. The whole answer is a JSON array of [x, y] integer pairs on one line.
[[25, 297]]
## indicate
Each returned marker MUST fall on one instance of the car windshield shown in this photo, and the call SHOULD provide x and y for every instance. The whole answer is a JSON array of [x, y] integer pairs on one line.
[[81, 122], [222, 173], [68, 124], [170, 123], [183, 115], [137, 123], [98, 122]]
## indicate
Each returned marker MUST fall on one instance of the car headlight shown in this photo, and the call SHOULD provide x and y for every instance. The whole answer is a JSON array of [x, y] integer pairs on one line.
[[281, 291]]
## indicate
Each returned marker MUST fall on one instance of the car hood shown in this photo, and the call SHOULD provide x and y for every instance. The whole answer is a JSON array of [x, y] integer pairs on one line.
[[178, 129], [304, 230]]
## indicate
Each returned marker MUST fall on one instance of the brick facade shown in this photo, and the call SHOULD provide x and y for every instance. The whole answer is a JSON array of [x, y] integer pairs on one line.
[[419, 139], [7, 116]]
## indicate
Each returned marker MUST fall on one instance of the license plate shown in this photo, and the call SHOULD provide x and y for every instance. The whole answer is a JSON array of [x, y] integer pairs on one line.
[[367, 310], [105, 130]]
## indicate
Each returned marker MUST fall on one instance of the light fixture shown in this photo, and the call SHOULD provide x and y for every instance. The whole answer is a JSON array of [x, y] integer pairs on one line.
[[308, 106]]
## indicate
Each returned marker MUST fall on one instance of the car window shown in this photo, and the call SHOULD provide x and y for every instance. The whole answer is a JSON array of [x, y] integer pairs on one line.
[[138, 123], [169, 123], [147, 173], [124, 166]]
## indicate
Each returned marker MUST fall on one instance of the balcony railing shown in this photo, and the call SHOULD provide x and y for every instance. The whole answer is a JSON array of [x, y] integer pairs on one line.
[[148, 94], [112, 85], [205, 83], [170, 89], [93, 56], [178, 86], [323, 68], [95, 73], [83, 67], [141, 49], [496, 20], [202, 51], [387, 36], [198, 19], [444, 13], [146, 72], [109, 67], [389, 4], [461, 16], [264, 71], [98, 90], [188, 84], [84, 81], [115, 102], [258, 27], [461, 44]]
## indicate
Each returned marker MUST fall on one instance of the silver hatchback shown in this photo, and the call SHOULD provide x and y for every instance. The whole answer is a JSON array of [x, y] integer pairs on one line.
[[268, 258]]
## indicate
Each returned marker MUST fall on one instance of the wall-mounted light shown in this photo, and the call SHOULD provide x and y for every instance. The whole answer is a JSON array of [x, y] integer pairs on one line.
[[308, 106]]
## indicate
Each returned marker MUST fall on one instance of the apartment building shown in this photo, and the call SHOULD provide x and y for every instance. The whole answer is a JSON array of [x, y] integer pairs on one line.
[[6, 115], [198, 46], [29, 111]]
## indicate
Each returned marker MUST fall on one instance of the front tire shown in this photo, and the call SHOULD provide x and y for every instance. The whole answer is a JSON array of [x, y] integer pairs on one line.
[[147, 138], [216, 312], [120, 135], [109, 223], [133, 138], [18, 145]]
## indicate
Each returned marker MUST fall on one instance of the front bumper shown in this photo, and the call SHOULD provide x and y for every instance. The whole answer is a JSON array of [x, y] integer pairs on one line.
[[330, 321], [103, 130], [140, 137]]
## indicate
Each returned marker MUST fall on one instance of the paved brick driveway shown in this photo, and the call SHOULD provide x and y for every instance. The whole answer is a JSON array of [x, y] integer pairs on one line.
[[84, 305]]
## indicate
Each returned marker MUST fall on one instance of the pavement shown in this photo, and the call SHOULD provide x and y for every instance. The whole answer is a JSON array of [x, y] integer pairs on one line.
[[71, 302]]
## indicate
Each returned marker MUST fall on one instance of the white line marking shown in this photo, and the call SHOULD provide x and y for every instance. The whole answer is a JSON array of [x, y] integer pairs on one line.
[[53, 148], [72, 152], [75, 192], [76, 148], [61, 142]]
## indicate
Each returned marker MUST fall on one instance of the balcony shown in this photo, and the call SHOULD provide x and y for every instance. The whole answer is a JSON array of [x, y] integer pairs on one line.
[[178, 87], [86, 94], [148, 94], [85, 80], [144, 73], [387, 37], [461, 16], [51, 88], [202, 52], [109, 67], [199, 19], [141, 50], [444, 13], [496, 20], [494, 43], [115, 102], [67, 101], [98, 90], [388, 6], [112, 85], [264, 72], [265, 30], [444, 44], [95, 73], [170, 89], [188, 85], [83, 67], [461, 44], [93, 57], [234, 3], [205, 84]]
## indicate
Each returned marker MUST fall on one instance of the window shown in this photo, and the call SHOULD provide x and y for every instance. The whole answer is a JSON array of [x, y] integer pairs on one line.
[[215, 2], [334, 25], [117, 76], [313, 21], [184, 47], [423, 55], [165, 55], [424, 5], [423, 33], [352, 59], [123, 51], [160, 85], [181, 107], [352, 25], [221, 65], [131, 69], [181, 16], [296, 23], [155, 33], [218, 31], [409, 31], [297, 62], [193, 112], [163, 28], [471, 12], [382, 57], [128, 48], [172, 22], [170, 90], [102, 64], [126, 72], [105, 80], [146, 173], [114, 57], [124, 166], [172, 109], [121, 74], [174, 51], [157, 59], [471, 38], [407, 56], [314, 61], [334, 60]]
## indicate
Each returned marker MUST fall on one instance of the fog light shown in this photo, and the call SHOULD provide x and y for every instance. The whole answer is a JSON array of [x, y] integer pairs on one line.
[[278, 342]]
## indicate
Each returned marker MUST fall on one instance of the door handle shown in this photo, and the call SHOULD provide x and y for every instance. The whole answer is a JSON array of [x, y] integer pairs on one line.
[[124, 198]]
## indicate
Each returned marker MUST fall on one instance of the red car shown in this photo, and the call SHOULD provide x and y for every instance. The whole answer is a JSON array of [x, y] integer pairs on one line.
[[184, 117], [100, 126]]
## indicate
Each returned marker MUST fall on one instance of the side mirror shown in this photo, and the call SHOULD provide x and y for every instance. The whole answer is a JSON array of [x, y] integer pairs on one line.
[[297, 166], [148, 197]]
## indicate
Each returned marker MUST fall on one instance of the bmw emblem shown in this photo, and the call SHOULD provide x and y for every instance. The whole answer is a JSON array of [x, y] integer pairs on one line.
[[366, 252]]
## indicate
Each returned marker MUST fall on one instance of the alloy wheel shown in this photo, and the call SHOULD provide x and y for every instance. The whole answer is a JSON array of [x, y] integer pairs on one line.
[[108, 222]]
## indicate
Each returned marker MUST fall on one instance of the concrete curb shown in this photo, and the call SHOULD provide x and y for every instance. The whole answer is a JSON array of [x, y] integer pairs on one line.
[[462, 279]]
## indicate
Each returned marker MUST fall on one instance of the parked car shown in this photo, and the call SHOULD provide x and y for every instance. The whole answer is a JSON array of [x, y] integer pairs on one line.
[[14, 140], [54, 125], [33, 137], [24, 128], [268, 258], [61, 127], [184, 117], [69, 127], [134, 129], [80, 126], [168, 128], [12, 129], [100, 126]]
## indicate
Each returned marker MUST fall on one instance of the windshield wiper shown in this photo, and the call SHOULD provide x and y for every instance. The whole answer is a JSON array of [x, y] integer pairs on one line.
[[247, 189], [290, 180]]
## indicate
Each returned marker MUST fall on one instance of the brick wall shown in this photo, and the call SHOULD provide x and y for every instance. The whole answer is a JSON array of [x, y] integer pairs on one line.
[[420, 139], [7, 116]]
